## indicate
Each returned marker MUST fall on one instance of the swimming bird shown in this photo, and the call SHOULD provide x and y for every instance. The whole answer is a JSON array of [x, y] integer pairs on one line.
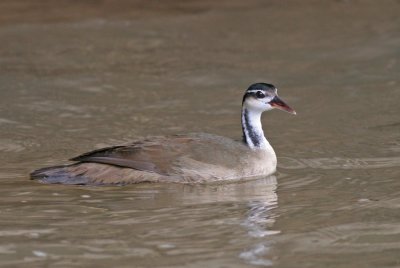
[[190, 158]]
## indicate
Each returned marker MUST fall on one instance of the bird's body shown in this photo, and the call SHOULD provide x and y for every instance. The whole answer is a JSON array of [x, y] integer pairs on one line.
[[190, 158]]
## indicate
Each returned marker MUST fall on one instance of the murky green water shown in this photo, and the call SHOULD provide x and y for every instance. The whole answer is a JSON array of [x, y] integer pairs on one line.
[[74, 77]]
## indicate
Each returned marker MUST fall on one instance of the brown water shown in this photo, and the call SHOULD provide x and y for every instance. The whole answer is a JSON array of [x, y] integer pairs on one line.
[[80, 75]]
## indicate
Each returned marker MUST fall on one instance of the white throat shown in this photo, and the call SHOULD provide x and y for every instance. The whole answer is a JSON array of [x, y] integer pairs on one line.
[[253, 134]]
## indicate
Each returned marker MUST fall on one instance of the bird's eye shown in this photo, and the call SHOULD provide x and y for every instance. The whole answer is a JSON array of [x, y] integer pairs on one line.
[[260, 95]]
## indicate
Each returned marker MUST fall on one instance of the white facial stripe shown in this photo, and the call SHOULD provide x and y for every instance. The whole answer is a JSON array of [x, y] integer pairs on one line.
[[257, 90]]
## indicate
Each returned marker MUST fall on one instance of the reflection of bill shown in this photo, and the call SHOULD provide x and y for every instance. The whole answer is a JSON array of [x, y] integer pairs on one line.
[[259, 221]]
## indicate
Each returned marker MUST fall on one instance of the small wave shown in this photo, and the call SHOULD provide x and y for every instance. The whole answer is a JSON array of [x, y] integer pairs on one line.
[[29, 233], [339, 163], [357, 237], [8, 145]]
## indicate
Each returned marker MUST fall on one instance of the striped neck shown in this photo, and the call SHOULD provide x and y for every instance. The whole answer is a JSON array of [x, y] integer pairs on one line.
[[253, 134]]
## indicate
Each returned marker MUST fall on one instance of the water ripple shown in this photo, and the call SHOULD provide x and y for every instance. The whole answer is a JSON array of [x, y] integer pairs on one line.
[[350, 238], [339, 163]]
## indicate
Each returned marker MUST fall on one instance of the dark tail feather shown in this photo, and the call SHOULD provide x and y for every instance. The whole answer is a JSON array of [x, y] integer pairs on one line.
[[58, 175]]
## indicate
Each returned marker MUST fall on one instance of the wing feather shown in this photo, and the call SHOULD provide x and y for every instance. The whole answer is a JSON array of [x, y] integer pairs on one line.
[[156, 154]]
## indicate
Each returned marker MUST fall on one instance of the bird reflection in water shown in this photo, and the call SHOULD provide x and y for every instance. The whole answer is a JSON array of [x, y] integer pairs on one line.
[[259, 221]]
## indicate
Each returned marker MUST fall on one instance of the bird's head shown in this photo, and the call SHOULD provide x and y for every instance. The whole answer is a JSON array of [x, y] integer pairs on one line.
[[264, 97]]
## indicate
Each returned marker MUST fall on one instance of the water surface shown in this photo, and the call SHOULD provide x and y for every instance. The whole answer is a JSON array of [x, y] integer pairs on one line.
[[74, 77]]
